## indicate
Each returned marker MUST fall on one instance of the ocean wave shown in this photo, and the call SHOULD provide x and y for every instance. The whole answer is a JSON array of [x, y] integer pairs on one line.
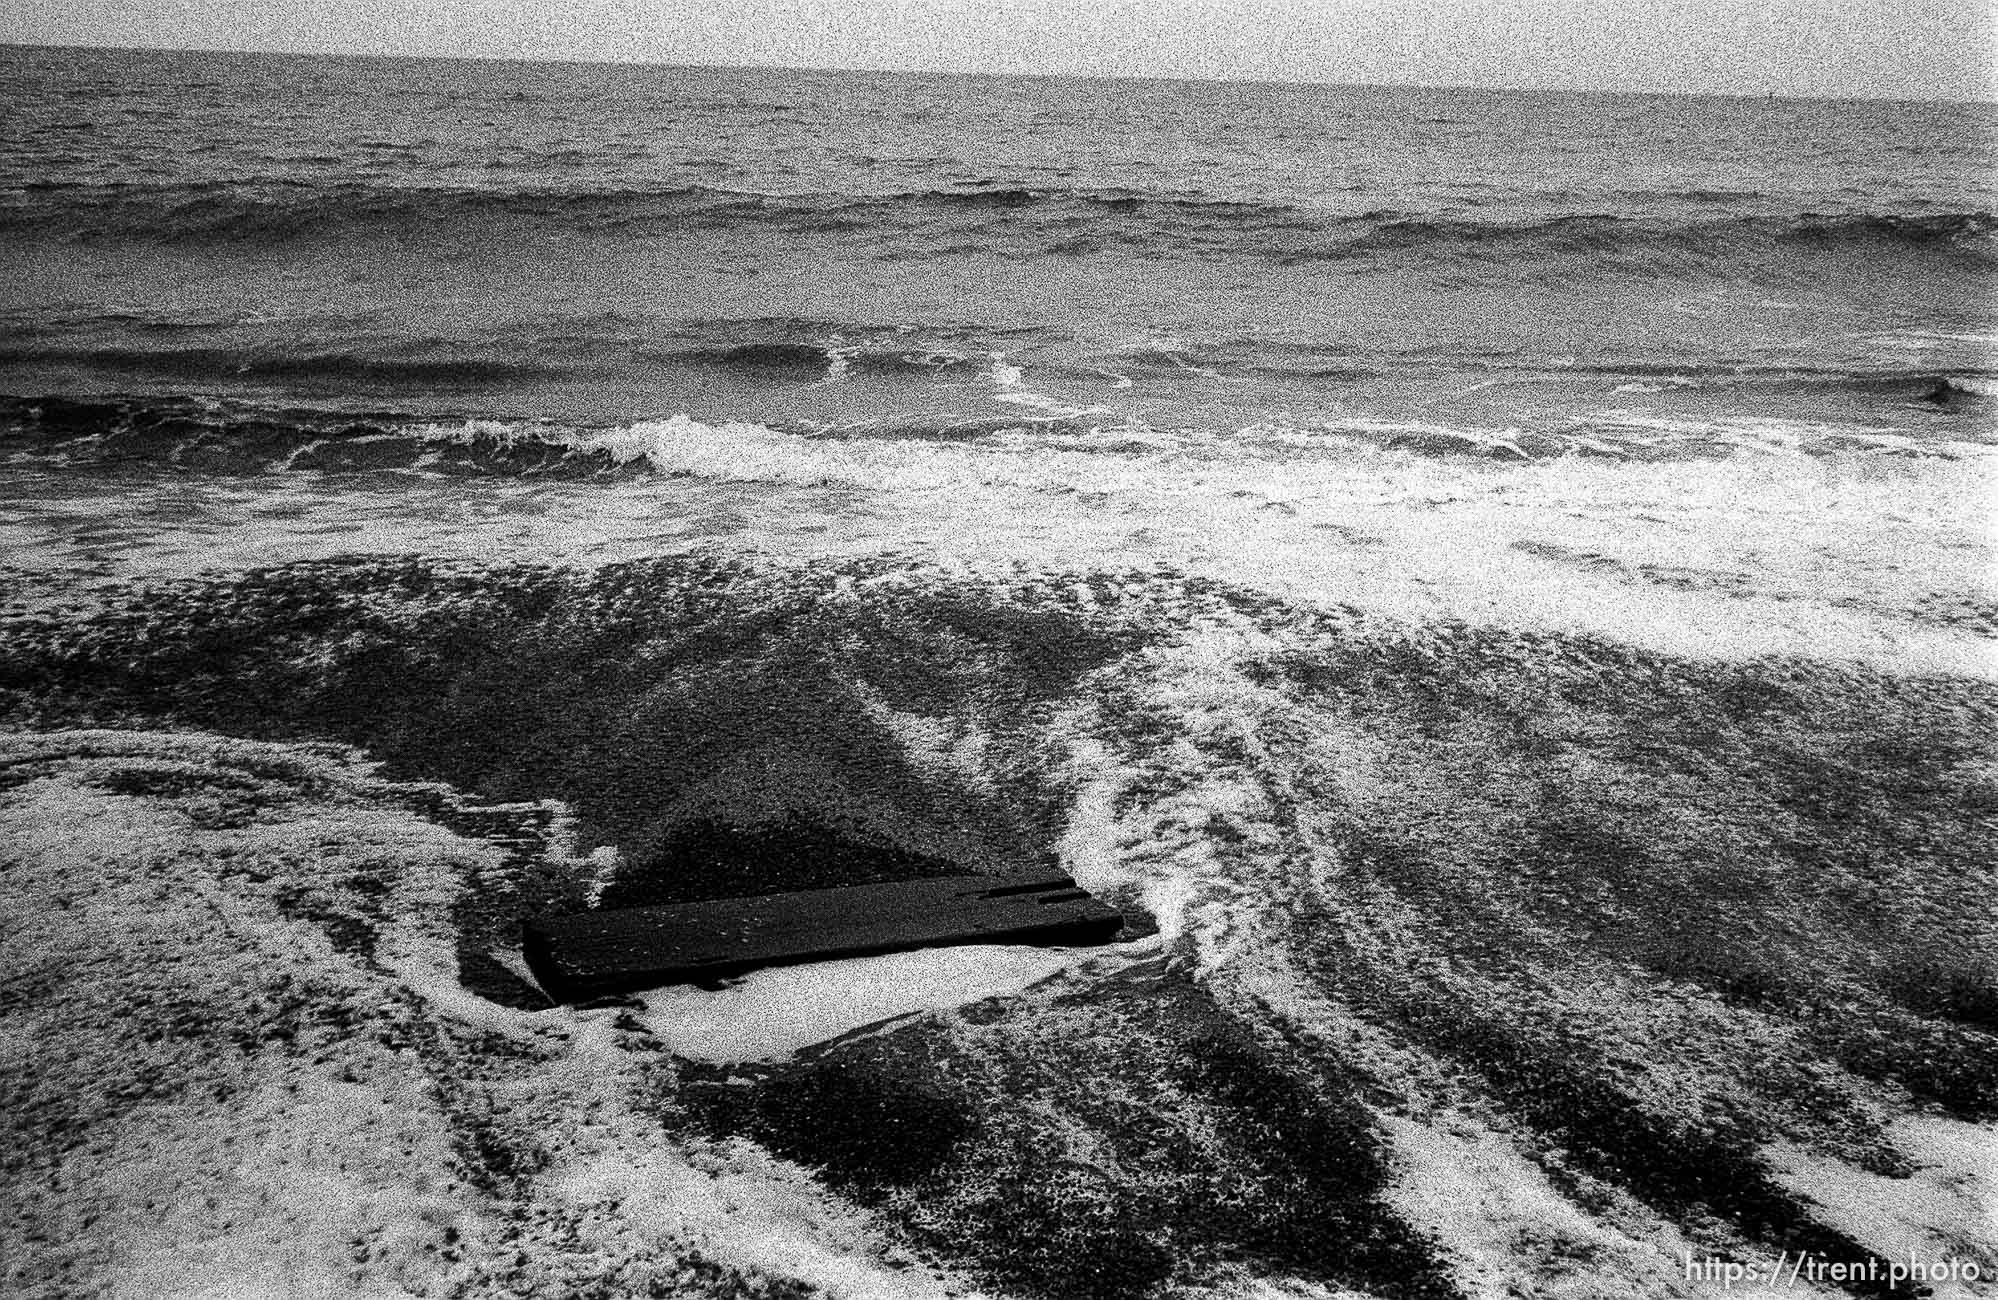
[[1961, 387], [1968, 233], [393, 366], [271, 209], [1295, 362], [830, 356], [1045, 221], [759, 351], [1934, 388], [235, 437], [787, 351]]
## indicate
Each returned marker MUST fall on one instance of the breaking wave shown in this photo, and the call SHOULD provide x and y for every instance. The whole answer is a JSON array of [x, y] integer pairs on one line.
[[242, 438]]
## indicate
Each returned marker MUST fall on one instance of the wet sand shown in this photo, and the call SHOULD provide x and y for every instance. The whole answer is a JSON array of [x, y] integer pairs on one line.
[[1487, 958]]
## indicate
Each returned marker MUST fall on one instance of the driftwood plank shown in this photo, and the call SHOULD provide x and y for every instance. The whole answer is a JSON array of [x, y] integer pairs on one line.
[[589, 954]]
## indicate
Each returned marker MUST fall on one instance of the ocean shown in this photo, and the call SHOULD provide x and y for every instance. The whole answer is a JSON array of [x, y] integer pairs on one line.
[[1497, 585]]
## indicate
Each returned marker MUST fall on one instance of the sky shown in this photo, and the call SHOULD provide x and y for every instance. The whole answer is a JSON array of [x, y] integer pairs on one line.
[[1918, 49]]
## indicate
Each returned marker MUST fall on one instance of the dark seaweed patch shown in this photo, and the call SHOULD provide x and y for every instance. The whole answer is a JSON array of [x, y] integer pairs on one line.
[[866, 1128], [1314, 1202], [1948, 1064], [1674, 1165], [1964, 990], [1051, 1146], [673, 704]]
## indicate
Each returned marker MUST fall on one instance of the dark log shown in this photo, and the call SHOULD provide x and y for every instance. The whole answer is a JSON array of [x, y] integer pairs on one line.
[[591, 954]]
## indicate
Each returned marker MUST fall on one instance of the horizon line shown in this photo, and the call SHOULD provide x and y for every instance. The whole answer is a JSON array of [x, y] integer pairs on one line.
[[571, 60]]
